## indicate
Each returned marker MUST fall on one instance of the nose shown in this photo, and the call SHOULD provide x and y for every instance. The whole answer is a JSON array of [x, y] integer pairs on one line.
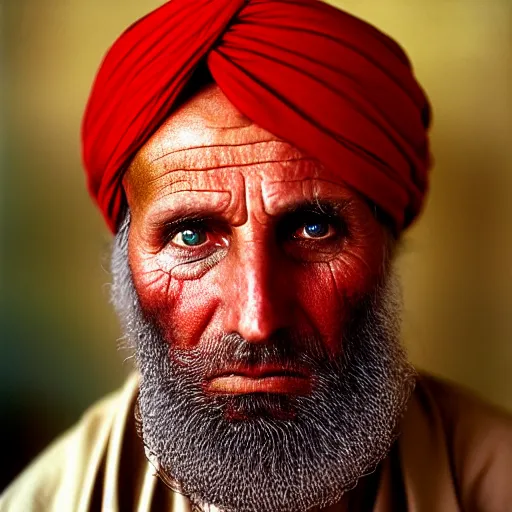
[[260, 297]]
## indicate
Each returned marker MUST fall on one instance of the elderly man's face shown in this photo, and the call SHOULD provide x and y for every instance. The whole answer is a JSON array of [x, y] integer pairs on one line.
[[257, 291], [235, 231]]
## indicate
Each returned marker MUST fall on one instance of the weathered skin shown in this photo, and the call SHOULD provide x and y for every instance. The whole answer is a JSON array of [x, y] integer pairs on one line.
[[259, 270]]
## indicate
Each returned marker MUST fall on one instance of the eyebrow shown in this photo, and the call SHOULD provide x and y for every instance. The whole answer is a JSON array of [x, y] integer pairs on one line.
[[189, 204], [332, 208], [329, 207]]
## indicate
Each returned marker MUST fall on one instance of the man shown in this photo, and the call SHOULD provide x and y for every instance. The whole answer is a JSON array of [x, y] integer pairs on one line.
[[258, 162]]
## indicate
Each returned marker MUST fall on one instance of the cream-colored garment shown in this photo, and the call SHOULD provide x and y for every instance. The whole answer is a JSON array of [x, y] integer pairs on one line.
[[454, 454]]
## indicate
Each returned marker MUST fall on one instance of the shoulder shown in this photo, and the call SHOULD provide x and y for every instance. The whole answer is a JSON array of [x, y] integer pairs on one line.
[[478, 440], [59, 478], [468, 421]]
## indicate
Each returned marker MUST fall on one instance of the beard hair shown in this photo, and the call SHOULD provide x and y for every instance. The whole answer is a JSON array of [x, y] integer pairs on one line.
[[309, 457]]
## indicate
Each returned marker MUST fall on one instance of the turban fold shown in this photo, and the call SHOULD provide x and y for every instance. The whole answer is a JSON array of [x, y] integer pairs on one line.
[[328, 83]]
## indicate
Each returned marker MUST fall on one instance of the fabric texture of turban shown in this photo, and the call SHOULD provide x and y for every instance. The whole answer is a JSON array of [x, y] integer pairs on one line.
[[328, 83]]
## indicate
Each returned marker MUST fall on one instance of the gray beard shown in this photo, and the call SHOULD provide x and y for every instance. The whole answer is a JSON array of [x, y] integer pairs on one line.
[[263, 452]]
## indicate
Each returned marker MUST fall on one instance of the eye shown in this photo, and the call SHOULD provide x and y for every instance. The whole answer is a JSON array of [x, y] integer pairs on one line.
[[313, 233], [191, 237], [316, 229]]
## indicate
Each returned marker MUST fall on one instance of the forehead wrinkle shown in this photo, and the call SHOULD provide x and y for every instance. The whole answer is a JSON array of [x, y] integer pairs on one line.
[[189, 190], [209, 146], [188, 186], [173, 188], [226, 128], [192, 133], [239, 166], [227, 155]]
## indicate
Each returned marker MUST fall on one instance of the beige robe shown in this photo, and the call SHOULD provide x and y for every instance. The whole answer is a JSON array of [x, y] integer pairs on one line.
[[454, 454]]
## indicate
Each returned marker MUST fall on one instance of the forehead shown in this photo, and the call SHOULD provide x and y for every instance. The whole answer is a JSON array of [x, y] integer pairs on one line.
[[208, 145]]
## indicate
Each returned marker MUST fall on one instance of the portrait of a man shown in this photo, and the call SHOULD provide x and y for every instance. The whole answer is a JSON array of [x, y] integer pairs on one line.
[[258, 163]]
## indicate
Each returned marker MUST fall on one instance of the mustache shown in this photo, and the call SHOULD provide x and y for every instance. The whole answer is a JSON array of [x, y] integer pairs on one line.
[[289, 352]]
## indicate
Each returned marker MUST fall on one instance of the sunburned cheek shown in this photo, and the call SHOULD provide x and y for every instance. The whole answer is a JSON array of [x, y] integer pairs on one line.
[[329, 292], [193, 312], [157, 292], [321, 303], [351, 279], [181, 309]]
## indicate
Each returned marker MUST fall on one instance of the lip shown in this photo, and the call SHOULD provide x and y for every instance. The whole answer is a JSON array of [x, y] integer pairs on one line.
[[260, 379]]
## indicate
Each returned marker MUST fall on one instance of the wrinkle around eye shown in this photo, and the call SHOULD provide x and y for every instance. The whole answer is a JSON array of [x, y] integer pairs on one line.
[[355, 271], [193, 268]]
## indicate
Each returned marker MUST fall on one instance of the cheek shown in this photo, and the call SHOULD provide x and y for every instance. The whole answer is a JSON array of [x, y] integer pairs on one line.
[[330, 292], [317, 297], [182, 309]]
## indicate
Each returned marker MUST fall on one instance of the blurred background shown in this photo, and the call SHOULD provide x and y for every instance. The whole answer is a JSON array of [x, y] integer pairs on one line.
[[58, 332]]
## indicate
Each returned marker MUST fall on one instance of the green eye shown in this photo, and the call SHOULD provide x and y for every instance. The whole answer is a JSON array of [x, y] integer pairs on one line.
[[190, 237]]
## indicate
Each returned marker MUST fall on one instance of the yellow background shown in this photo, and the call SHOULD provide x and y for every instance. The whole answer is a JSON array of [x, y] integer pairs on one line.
[[59, 335]]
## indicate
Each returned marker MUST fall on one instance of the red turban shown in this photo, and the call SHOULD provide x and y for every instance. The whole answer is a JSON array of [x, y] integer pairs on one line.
[[326, 82]]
